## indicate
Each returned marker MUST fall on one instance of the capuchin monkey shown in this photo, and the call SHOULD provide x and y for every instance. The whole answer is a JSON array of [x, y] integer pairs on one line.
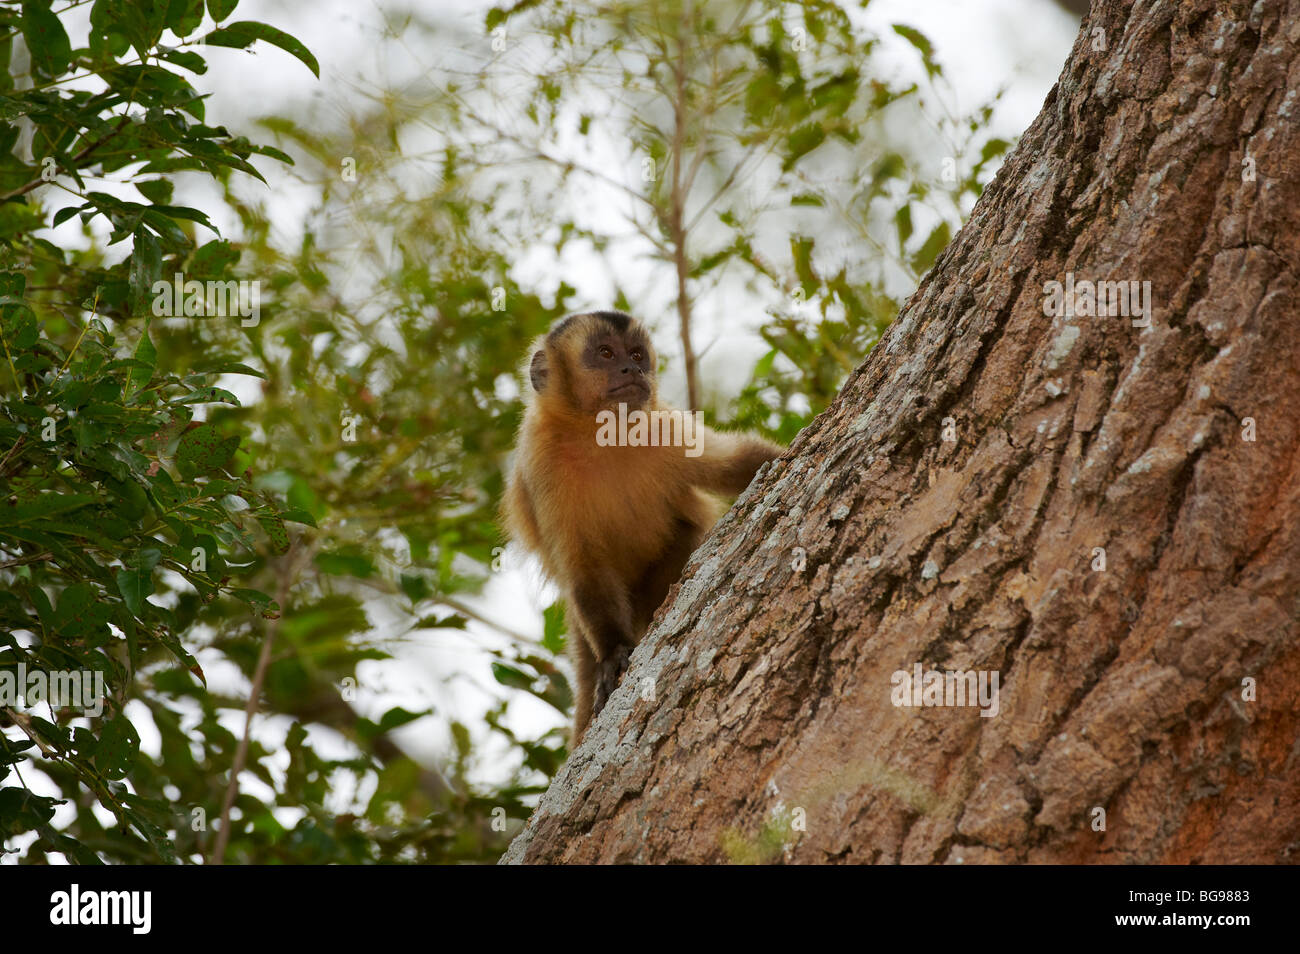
[[612, 490]]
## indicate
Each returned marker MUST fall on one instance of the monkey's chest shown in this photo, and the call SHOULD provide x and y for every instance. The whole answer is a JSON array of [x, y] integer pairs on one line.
[[621, 515]]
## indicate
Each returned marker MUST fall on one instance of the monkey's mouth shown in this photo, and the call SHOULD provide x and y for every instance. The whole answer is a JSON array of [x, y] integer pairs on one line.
[[639, 388]]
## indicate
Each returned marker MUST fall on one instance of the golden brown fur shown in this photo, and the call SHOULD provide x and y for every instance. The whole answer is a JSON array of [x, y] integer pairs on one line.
[[612, 525]]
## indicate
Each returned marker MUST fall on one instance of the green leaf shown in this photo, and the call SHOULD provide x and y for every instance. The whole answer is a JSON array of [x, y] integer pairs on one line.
[[185, 58], [147, 354], [167, 229], [184, 212], [276, 531], [131, 502], [935, 244], [763, 367], [345, 563], [204, 450], [207, 395], [452, 621], [135, 586], [397, 716], [298, 515], [158, 191], [273, 153], [119, 744], [220, 9], [65, 213], [512, 677], [43, 608], [801, 142], [553, 628], [258, 601], [73, 604], [184, 16], [243, 33], [46, 39], [922, 44], [889, 166], [213, 258], [903, 222], [994, 147], [46, 505], [414, 586], [461, 737], [228, 367], [156, 836], [22, 811]]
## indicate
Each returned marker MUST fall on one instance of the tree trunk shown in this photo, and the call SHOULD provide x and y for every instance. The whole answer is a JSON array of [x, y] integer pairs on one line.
[[1109, 522]]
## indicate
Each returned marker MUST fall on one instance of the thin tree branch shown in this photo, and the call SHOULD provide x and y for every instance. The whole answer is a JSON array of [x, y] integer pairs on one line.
[[20, 561], [677, 233], [76, 160], [218, 854]]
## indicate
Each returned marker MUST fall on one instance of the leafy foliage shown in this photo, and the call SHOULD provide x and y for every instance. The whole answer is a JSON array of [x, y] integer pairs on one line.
[[114, 492]]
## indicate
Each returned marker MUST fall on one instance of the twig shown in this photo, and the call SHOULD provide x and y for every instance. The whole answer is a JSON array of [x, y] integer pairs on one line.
[[13, 450], [24, 722], [677, 232], [94, 310], [19, 561], [218, 855]]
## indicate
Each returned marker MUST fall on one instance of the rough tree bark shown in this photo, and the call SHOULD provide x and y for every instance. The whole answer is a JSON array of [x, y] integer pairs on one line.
[[1170, 156]]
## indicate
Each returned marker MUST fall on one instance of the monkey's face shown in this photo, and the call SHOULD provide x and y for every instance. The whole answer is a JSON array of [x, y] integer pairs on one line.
[[618, 368], [595, 362]]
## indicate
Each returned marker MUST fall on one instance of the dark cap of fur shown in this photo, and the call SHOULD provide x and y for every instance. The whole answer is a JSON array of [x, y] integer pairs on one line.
[[617, 320]]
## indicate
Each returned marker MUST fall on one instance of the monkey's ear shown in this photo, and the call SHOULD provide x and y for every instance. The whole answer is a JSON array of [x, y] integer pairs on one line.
[[538, 371]]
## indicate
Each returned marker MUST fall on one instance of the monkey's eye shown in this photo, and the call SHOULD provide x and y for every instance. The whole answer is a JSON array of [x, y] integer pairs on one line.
[[637, 355], [606, 352]]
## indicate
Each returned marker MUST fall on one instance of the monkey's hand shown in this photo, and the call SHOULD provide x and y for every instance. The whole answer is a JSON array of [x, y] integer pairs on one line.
[[608, 673]]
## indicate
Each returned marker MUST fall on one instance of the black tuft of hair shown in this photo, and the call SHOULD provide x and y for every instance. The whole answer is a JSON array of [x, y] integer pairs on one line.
[[617, 320]]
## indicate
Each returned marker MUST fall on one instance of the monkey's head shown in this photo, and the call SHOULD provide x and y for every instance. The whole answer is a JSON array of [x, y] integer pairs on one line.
[[595, 361]]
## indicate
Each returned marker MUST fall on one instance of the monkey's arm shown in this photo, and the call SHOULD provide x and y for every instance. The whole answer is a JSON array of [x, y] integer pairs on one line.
[[728, 462], [604, 610], [602, 602]]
